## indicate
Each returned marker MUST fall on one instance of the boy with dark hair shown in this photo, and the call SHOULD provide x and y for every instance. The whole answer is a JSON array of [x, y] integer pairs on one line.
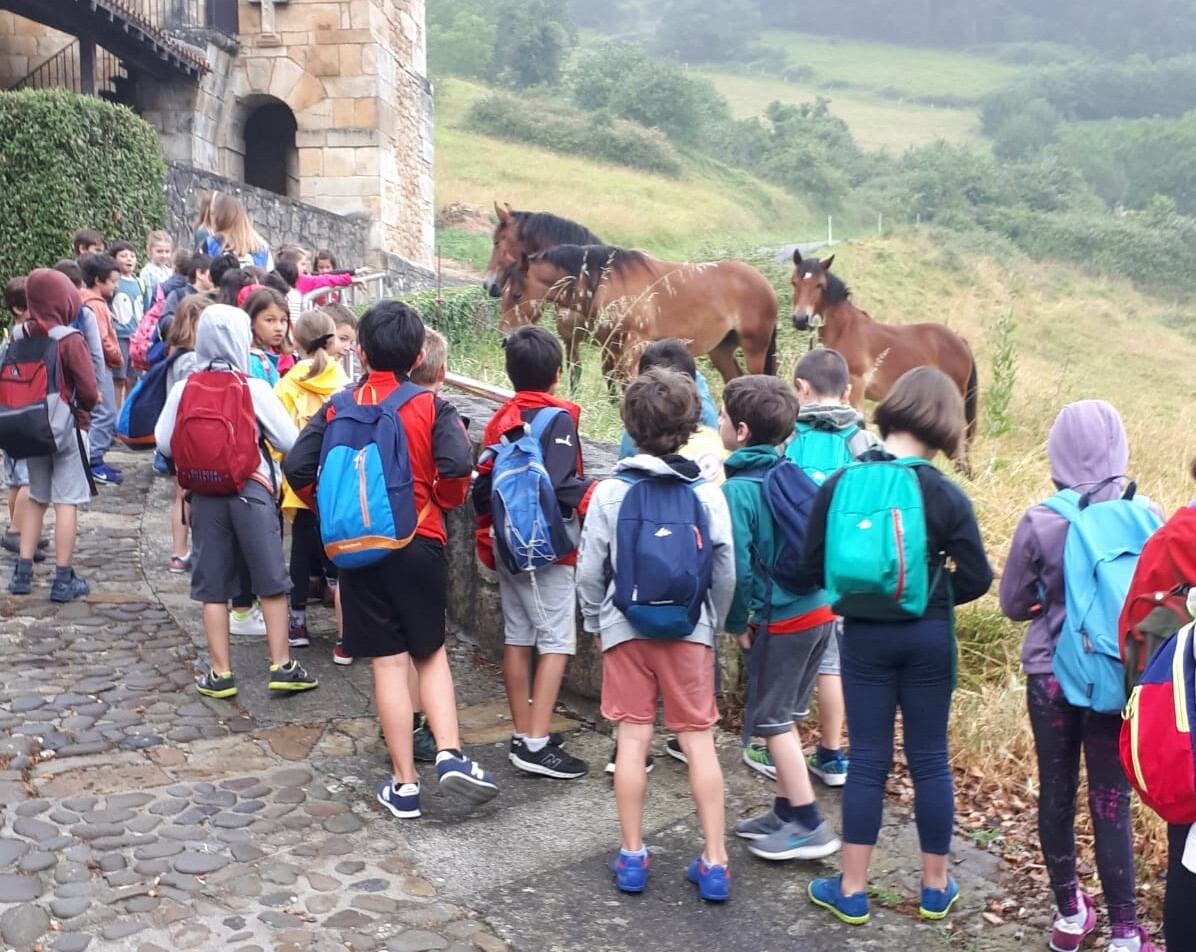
[[59, 479], [394, 608], [538, 604], [88, 242], [128, 306], [100, 277], [784, 631], [660, 411], [829, 434]]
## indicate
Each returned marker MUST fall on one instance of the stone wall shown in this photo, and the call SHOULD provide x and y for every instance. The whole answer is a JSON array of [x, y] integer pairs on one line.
[[25, 45]]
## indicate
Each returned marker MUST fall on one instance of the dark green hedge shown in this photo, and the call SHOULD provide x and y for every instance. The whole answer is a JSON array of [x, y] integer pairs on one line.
[[69, 162]]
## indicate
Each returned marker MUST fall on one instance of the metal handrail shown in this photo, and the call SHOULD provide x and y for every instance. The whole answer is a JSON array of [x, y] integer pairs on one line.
[[358, 293], [65, 70], [477, 388]]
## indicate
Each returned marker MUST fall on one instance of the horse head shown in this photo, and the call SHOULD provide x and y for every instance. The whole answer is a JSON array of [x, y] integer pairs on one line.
[[811, 281], [527, 286], [507, 249]]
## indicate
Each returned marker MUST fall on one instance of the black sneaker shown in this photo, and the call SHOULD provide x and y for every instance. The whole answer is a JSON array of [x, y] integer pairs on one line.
[[610, 764], [11, 542], [290, 677], [423, 742], [672, 747], [217, 685], [549, 761]]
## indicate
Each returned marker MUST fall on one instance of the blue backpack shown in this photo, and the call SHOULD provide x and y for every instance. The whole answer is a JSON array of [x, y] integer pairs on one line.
[[664, 557], [365, 493], [143, 406], [528, 525], [789, 495], [1104, 540]]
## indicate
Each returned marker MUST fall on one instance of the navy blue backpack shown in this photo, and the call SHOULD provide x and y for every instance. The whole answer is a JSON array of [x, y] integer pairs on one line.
[[365, 492], [143, 406], [789, 495], [664, 556]]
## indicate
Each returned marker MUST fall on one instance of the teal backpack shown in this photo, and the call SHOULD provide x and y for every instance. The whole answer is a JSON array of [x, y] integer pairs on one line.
[[877, 558], [821, 452]]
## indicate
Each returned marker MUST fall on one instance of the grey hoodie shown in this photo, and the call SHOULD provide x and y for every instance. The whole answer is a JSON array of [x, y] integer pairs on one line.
[[840, 416], [1087, 444], [598, 555], [222, 341]]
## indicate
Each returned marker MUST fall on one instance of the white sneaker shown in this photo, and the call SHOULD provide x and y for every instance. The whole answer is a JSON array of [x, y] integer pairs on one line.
[[250, 623]]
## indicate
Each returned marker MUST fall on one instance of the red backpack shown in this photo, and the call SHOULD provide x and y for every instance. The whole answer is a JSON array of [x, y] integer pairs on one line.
[[1156, 604], [1156, 736], [216, 445], [36, 418], [143, 337]]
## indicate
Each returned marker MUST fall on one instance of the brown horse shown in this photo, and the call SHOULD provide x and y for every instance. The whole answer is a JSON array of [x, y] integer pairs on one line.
[[528, 233], [877, 354], [571, 327], [626, 299]]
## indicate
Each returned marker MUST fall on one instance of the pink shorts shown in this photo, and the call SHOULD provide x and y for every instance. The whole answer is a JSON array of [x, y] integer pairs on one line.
[[636, 673]]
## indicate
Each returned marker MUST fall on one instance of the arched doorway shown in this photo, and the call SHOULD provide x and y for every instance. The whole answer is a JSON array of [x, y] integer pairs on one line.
[[271, 159]]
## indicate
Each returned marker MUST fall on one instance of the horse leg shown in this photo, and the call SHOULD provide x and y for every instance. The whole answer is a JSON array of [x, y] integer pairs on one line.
[[760, 351], [724, 360], [858, 386], [573, 360], [971, 399]]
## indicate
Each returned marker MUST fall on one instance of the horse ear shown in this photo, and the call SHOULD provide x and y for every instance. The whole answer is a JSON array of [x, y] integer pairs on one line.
[[826, 265], [504, 214], [796, 256]]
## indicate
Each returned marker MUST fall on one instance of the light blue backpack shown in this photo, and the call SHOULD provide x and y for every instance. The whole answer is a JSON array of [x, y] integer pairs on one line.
[[1104, 540]]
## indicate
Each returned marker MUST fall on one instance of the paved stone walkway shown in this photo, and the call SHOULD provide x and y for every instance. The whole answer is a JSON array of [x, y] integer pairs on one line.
[[139, 816]]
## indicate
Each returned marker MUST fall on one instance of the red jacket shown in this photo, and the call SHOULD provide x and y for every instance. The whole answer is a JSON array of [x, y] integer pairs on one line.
[[441, 457], [113, 359]]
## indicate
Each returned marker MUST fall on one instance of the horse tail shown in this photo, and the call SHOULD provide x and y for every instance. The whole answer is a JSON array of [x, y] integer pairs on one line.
[[770, 356]]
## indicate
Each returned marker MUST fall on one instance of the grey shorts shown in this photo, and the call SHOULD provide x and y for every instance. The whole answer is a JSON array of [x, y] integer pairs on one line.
[[781, 682], [61, 479], [830, 660], [232, 531], [16, 472], [125, 370], [539, 609]]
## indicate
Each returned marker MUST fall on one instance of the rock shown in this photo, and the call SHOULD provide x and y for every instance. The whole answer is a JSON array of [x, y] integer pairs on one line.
[[347, 919], [371, 902], [292, 776], [110, 862], [14, 888], [280, 920], [321, 904], [199, 864], [350, 867], [36, 830], [35, 862], [120, 930], [345, 823], [323, 883], [416, 940], [23, 925], [489, 943], [159, 850], [69, 908], [11, 851], [71, 873], [142, 904], [71, 942], [370, 885]]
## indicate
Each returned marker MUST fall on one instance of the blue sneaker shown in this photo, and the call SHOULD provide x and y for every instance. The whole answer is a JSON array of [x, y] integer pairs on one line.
[[937, 903], [713, 882], [21, 582], [161, 465], [401, 800], [828, 894], [103, 473], [832, 772], [631, 871], [68, 589], [463, 778]]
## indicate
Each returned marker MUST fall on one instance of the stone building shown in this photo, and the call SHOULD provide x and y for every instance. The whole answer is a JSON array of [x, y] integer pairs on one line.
[[318, 113]]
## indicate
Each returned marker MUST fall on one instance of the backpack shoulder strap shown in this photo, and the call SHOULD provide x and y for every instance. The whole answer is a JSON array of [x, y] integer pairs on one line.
[[61, 332], [543, 420], [399, 398], [757, 475], [913, 462], [1064, 503]]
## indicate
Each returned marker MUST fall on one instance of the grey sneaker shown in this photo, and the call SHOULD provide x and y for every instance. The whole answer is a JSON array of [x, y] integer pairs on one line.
[[21, 582], [794, 841], [68, 589], [759, 827]]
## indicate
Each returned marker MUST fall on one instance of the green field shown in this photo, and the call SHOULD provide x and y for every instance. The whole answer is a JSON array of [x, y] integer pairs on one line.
[[899, 71], [670, 217], [876, 123]]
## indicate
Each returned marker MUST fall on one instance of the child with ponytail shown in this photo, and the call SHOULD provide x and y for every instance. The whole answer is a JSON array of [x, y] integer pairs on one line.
[[303, 391]]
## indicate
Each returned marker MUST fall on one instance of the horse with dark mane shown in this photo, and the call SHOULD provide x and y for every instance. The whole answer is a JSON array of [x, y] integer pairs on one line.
[[878, 354], [626, 299], [528, 233]]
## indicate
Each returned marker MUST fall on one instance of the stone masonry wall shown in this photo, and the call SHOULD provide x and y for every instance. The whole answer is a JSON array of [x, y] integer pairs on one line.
[[25, 45]]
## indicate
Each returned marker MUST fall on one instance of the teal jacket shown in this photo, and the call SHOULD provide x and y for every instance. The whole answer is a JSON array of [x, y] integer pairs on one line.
[[755, 534]]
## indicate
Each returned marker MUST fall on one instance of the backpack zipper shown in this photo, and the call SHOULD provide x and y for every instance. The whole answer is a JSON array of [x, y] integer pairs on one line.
[[899, 538], [365, 506], [1131, 715]]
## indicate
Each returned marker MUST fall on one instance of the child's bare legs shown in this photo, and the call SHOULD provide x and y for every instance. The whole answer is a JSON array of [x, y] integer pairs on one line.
[[793, 779], [15, 495], [32, 516], [275, 613], [831, 710], [631, 783], [393, 697], [856, 860], [178, 528], [412, 681], [440, 699], [215, 629], [535, 719], [706, 783]]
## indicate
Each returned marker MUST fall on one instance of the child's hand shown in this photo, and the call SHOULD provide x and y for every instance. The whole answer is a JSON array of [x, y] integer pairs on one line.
[[745, 641]]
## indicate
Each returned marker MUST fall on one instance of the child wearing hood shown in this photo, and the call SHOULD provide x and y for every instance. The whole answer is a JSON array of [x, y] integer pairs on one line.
[[1087, 446], [60, 480], [309, 385], [539, 609], [242, 528]]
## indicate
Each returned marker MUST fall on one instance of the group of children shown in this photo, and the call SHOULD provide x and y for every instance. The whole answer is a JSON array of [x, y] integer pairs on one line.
[[728, 519]]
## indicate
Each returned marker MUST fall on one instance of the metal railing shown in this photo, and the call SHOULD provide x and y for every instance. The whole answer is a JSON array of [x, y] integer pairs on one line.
[[168, 15], [65, 70], [477, 388], [366, 288]]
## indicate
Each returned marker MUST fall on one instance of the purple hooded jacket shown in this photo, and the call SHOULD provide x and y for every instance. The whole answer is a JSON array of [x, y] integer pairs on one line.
[[1087, 445]]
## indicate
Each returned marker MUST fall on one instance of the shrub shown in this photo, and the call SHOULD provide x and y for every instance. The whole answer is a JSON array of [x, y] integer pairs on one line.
[[463, 315], [571, 132], [69, 162]]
